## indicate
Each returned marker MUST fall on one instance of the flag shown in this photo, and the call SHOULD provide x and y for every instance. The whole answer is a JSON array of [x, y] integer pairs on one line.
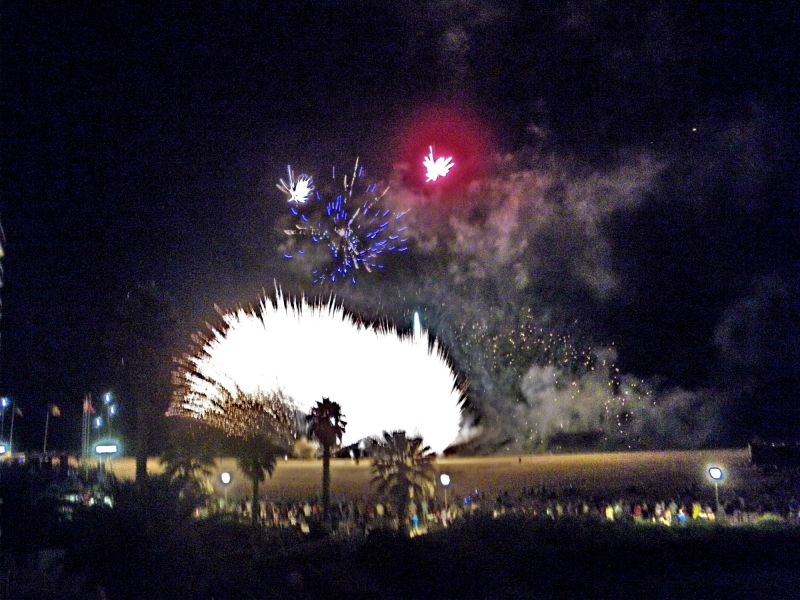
[[88, 408], [55, 411]]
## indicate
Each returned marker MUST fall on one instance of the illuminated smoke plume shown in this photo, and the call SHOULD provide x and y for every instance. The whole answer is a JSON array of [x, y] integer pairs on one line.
[[512, 276], [546, 390], [354, 227], [383, 380]]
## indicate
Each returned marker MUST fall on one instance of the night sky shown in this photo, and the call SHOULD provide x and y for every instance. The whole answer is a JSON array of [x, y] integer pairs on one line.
[[143, 143]]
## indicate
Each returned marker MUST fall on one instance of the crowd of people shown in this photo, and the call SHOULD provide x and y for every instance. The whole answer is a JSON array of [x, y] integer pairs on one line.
[[359, 515]]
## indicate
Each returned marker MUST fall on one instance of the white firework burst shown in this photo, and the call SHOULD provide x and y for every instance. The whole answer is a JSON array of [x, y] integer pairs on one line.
[[297, 191], [436, 168], [382, 380]]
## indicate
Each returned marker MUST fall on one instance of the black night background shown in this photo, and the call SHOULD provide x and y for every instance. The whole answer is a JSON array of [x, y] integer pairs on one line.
[[613, 265], [143, 144]]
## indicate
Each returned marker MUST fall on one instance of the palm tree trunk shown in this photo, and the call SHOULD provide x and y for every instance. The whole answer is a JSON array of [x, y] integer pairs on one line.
[[402, 510], [254, 507], [141, 441], [326, 482]]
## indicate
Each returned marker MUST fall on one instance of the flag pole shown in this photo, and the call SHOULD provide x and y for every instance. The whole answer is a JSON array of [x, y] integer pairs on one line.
[[83, 429], [46, 425], [11, 435]]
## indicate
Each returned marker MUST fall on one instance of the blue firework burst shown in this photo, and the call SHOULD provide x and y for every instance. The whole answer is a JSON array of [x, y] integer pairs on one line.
[[355, 227]]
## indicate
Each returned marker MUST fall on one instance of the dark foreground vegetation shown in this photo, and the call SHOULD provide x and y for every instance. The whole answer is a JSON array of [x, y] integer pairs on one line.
[[149, 546]]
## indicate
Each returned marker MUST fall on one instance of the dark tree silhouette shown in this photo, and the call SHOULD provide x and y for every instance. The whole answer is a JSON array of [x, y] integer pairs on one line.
[[257, 457], [403, 470], [188, 461], [327, 424], [146, 331]]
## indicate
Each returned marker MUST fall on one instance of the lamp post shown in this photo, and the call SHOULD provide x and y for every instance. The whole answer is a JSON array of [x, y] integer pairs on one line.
[[226, 478], [14, 411], [4, 404], [717, 475], [111, 409], [444, 479]]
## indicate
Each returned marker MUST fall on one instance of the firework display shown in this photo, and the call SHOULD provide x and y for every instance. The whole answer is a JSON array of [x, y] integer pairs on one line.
[[354, 226], [382, 380], [552, 386]]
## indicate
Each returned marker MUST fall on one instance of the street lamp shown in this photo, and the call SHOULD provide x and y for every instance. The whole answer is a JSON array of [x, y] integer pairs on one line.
[[444, 479], [717, 475], [226, 478], [4, 404], [111, 409]]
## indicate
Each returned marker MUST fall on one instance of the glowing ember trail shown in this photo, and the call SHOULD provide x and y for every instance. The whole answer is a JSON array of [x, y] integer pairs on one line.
[[381, 379], [436, 168]]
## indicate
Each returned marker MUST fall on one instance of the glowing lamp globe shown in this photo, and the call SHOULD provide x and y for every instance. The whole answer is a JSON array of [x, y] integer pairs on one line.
[[716, 474], [444, 478], [225, 478]]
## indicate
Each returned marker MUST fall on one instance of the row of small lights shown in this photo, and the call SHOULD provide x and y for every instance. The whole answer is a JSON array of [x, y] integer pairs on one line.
[[716, 474]]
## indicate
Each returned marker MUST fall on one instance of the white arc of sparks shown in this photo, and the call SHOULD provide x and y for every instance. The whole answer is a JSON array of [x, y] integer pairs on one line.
[[383, 379], [437, 167]]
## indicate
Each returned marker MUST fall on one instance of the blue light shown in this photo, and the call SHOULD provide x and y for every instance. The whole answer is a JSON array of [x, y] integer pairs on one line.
[[5, 402]]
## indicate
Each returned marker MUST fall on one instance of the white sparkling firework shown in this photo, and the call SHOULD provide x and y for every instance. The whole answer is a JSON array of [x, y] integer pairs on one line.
[[437, 167], [297, 191], [381, 379]]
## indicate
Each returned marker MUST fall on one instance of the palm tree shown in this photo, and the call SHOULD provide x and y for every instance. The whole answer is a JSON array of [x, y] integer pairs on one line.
[[188, 467], [257, 457], [326, 423], [146, 322], [403, 469]]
